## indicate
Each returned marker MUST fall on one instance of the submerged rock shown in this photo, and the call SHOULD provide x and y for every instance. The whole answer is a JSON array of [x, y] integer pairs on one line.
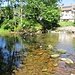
[[55, 55], [61, 51], [67, 60], [55, 64], [44, 70], [50, 47]]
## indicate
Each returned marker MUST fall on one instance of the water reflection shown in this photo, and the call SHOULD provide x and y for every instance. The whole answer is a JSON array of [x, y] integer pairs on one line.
[[66, 42], [2, 43], [65, 37], [11, 51], [12, 48]]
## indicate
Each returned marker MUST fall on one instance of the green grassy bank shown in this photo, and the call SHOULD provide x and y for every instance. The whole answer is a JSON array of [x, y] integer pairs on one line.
[[4, 32], [66, 24]]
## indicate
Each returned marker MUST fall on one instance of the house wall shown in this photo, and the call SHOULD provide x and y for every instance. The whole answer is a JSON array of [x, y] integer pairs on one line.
[[67, 13]]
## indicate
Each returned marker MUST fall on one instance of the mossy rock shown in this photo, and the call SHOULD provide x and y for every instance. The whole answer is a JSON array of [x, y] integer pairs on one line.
[[67, 60], [50, 47], [44, 70], [61, 51], [55, 56]]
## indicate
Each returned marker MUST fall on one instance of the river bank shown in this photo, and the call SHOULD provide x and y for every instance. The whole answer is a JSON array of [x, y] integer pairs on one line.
[[68, 29]]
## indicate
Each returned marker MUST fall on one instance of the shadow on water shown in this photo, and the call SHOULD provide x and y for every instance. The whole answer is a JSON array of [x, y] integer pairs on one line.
[[11, 51]]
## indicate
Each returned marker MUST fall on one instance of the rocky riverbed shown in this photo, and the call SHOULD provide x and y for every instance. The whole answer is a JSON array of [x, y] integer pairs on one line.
[[39, 62]]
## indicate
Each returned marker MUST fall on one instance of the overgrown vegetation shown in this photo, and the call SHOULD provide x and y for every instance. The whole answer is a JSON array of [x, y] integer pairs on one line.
[[31, 15], [4, 31]]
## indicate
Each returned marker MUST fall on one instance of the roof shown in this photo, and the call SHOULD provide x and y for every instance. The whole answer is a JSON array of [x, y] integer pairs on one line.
[[68, 7]]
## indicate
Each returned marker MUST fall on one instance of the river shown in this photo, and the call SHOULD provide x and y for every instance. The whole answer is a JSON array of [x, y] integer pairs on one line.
[[30, 55]]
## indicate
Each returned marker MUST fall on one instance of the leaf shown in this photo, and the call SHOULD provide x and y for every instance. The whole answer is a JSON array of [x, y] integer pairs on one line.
[[13, 0]]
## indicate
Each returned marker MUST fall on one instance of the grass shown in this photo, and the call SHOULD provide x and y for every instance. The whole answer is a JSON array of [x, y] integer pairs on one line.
[[4, 32], [66, 24]]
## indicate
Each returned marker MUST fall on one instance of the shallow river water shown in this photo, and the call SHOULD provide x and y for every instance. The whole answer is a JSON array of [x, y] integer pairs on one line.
[[30, 55]]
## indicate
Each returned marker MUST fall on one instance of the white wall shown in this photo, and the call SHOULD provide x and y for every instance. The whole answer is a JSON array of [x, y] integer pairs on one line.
[[67, 15]]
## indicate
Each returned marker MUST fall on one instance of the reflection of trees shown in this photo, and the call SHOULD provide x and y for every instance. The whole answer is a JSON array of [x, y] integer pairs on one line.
[[11, 52], [35, 42], [63, 37], [1, 58], [31, 42], [73, 41]]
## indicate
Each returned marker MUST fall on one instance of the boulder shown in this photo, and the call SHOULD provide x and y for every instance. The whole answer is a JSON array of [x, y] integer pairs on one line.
[[55, 56], [67, 60], [61, 51]]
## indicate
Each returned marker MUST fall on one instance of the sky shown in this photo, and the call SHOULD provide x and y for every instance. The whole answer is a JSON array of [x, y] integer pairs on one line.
[[66, 2], [4, 4]]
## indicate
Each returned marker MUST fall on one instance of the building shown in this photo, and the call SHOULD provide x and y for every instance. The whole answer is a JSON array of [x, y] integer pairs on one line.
[[67, 12]]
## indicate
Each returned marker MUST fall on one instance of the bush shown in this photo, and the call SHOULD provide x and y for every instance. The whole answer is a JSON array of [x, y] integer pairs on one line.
[[18, 28], [10, 24], [4, 32]]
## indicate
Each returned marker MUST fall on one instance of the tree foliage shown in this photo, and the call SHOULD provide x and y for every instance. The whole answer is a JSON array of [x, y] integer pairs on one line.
[[42, 9], [35, 12]]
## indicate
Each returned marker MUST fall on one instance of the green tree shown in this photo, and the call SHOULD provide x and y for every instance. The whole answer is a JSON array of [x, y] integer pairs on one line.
[[45, 10], [32, 13]]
